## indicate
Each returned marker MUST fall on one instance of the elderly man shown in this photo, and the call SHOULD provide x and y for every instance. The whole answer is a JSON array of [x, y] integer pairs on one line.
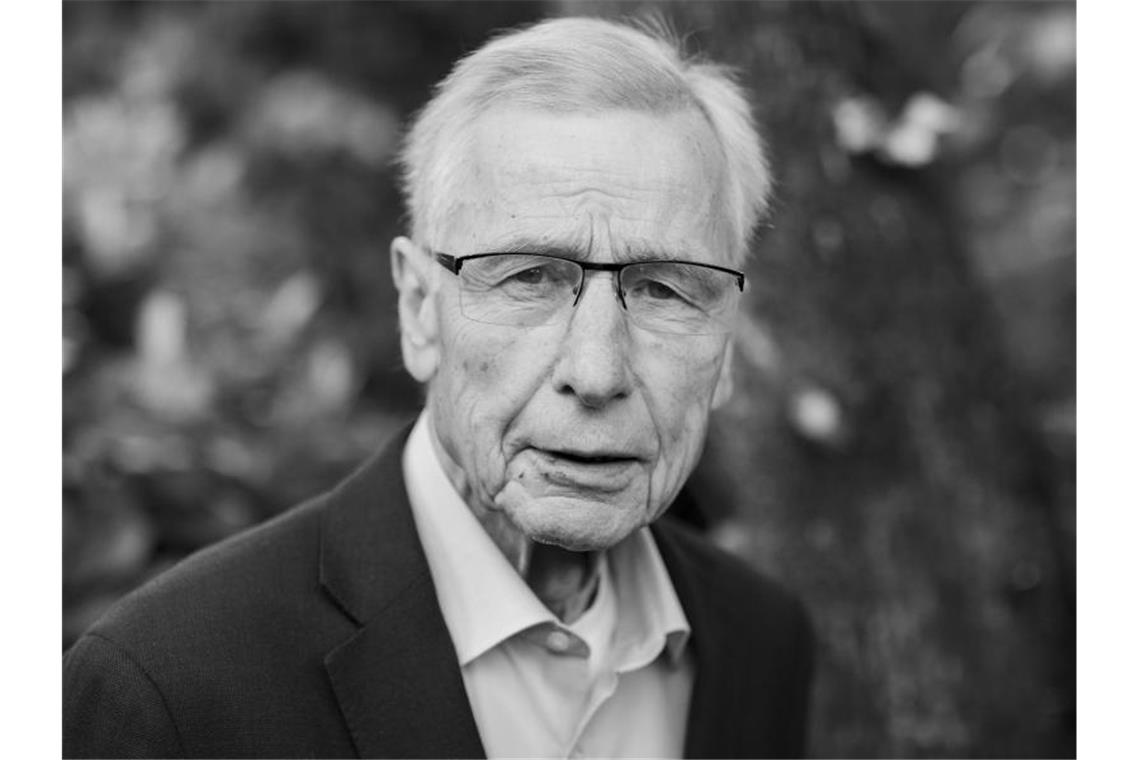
[[498, 581]]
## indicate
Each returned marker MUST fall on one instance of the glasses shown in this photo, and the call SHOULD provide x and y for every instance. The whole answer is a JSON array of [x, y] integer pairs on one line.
[[531, 289]]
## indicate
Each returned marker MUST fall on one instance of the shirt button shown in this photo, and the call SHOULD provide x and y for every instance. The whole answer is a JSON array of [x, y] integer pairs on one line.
[[558, 641]]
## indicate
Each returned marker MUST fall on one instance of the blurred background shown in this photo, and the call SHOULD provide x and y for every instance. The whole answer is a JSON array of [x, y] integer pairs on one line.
[[901, 448]]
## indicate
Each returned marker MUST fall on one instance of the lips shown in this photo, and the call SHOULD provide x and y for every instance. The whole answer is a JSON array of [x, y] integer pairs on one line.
[[595, 470]]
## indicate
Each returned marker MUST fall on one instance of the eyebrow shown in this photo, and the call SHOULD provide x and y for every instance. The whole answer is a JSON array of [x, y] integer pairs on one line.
[[567, 248], [636, 251]]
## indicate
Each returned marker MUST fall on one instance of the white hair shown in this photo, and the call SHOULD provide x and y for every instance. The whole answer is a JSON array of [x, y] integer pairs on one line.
[[581, 65]]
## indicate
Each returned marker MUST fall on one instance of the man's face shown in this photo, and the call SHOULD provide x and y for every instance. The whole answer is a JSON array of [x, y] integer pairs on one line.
[[581, 431]]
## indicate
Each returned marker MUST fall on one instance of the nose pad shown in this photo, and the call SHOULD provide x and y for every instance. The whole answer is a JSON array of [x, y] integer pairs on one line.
[[618, 292]]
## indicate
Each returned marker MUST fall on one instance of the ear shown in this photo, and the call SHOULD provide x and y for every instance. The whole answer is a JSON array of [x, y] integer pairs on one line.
[[419, 333], [723, 391]]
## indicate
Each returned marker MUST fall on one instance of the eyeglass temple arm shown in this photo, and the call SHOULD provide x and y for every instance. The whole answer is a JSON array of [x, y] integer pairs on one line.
[[450, 263]]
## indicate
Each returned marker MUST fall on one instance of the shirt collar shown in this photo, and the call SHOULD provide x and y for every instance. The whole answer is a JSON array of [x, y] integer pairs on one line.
[[483, 599], [648, 605]]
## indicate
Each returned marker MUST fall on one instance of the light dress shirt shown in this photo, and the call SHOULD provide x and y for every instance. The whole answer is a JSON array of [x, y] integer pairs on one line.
[[614, 683]]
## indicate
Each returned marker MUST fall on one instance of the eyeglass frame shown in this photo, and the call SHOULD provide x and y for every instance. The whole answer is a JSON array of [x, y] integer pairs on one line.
[[455, 263]]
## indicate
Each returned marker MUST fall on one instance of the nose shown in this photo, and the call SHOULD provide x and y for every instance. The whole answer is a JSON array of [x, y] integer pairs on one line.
[[594, 359]]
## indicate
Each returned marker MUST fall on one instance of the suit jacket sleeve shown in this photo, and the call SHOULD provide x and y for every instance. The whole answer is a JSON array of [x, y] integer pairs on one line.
[[111, 707]]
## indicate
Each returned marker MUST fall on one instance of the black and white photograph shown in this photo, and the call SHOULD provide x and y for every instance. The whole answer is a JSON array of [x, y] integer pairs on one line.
[[569, 379]]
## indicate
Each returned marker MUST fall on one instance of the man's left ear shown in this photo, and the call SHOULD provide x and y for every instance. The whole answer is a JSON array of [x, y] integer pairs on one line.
[[723, 391]]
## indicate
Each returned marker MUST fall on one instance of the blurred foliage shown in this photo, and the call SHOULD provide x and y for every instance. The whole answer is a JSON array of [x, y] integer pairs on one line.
[[229, 332], [901, 447]]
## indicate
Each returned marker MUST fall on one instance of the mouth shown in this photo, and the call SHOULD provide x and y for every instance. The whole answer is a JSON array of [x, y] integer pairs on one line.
[[600, 458], [596, 471], [586, 471]]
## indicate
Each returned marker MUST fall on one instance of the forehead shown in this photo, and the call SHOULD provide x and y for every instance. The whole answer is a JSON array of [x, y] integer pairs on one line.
[[611, 185]]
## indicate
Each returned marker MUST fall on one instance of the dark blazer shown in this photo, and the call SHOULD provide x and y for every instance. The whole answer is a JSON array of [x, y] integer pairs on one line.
[[318, 634]]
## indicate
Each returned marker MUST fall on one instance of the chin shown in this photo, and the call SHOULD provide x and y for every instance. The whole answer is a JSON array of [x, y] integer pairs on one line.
[[573, 524]]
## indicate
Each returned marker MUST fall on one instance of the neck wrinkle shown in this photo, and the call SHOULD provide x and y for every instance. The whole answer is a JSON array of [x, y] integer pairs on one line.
[[565, 581]]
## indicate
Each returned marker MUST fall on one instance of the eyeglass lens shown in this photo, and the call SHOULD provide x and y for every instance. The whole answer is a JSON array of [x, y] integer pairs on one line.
[[528, 290]]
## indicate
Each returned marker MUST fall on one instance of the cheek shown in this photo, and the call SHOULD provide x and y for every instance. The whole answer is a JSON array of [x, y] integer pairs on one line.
[[468, 350], [681, 382], [487, 376], [680, 402], [468, 378]]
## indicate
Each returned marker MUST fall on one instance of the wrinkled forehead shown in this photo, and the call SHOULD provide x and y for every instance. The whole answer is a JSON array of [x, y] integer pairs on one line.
[[619, 183]]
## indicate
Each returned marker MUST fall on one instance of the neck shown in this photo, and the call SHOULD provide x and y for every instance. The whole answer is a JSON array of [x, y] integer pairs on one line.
[[563, 580]]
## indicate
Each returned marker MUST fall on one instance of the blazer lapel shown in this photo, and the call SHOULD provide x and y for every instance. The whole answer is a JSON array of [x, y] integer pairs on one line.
[[710, 729], [399, 687], [396, 679]]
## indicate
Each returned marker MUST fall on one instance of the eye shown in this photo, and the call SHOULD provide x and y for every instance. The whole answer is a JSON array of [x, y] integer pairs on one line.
[[657, 290], [532, 276]]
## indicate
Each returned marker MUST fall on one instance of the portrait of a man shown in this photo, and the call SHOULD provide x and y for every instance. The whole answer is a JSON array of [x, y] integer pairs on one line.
[[569, 378]]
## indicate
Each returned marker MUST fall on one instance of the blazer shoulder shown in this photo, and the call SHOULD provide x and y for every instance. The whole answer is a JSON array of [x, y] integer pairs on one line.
[[244, 577], [112, 707], [262, 585], [201, 658]]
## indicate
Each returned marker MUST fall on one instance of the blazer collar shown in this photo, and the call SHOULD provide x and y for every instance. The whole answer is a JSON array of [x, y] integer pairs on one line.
[[709, 730], [396, 678]]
